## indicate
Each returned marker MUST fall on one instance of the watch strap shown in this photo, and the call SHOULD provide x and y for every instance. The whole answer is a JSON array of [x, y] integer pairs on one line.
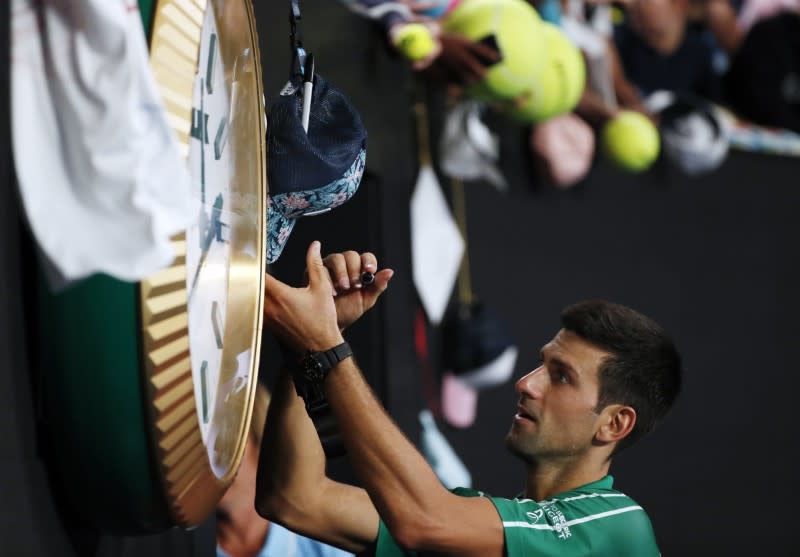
[[330, 358], [309, 387]]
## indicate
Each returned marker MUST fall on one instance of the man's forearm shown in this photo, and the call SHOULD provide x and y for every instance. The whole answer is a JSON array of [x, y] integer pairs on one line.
[[292, 488], [292, 462], [399, 481]]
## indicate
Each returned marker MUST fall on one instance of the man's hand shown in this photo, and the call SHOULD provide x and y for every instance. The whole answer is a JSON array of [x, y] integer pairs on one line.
[[303, 318], [353, 298]]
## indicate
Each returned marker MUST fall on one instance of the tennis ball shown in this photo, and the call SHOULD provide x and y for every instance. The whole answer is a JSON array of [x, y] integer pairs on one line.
[[631, 141], [515, 28], [415, 41], [560, 85]]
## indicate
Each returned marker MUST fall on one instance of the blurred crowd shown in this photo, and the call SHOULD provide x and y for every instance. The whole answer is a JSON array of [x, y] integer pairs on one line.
[[656, 76]]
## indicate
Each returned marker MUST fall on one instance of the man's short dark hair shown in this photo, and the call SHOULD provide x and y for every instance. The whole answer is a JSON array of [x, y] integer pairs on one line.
[[645, 369]]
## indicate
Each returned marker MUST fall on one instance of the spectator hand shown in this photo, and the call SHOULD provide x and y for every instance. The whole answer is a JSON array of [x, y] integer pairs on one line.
[[352, 298], [464, 61], [419, 42]]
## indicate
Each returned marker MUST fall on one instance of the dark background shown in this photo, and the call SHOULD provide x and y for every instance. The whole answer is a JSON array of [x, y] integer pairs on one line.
[[711, 259]]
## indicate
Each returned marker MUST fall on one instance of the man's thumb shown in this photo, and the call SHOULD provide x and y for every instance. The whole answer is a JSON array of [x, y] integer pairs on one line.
[[316, 269]]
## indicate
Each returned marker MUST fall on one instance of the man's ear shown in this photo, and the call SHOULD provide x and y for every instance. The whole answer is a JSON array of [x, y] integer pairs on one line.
[[617, 422]]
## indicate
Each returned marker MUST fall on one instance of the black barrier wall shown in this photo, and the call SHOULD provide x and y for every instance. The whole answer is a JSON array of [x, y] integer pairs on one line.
[[712, 259]]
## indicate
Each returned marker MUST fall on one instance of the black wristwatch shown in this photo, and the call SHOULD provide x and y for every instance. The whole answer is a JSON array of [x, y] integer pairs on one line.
[[315, 365], [308, 377]]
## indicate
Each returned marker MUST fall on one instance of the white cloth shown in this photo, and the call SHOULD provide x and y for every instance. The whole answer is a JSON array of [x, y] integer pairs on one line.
[[100, 173], [468, 149], [436, 245], [592, 36]]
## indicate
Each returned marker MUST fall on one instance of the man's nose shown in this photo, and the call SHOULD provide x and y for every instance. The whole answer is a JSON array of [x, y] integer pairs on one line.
[[532, 384]]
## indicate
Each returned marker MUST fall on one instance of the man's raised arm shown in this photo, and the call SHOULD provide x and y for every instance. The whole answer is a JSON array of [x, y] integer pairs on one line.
[[292, 488], [418, 511]]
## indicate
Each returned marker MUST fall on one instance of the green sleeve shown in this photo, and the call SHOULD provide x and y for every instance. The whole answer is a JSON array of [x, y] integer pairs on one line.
[[385, 546]]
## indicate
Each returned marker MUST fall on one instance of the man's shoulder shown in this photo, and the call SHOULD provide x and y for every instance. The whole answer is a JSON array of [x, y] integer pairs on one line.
[[593, 519]]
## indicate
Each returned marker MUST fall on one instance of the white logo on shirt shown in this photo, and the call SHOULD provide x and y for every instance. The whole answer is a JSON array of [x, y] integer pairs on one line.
[[558, 519], [535, 516]]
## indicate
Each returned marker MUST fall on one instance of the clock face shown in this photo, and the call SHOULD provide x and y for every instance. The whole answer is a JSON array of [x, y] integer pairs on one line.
[[208, 248], [224, 238]]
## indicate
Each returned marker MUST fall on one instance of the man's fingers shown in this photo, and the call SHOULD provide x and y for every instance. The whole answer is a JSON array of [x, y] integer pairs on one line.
[[337, 268], [377, 288], [353, 262], [369, 262]]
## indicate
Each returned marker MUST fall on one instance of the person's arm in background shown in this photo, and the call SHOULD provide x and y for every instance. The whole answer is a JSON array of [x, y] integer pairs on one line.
[[418, 511], [292, 488], [720, 18], [595, 109], [627, 94], [395, 16], [592, 108], [454, 59]]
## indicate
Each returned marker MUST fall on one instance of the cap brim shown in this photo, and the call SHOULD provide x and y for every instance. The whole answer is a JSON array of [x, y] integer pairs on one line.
[[494, 372], [279, 227]]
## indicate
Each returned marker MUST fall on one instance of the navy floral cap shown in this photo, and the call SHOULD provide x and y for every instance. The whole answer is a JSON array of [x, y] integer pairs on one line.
[[311, 173]]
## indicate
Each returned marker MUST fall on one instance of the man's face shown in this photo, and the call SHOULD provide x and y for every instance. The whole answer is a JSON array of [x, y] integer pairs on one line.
[[556, 416]]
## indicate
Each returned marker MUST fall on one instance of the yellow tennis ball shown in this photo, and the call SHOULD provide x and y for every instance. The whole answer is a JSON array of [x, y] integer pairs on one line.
[[560, 84], [515, 28], [631, 141], [415, 41]]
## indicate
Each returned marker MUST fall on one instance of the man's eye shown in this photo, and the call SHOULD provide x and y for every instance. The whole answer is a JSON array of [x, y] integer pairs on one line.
[[562, 378]]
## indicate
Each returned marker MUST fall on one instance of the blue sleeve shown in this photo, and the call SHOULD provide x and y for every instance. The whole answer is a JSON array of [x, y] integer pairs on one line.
[[549, 10], [306, 547]]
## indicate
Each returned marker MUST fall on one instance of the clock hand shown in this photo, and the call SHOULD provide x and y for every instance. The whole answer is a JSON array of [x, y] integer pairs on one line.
[[212, 231]]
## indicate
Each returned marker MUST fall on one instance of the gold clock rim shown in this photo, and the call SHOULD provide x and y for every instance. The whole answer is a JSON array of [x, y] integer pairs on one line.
[[190, 487]]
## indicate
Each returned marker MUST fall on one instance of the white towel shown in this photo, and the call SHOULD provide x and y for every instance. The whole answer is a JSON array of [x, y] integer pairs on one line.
[[101, 177]]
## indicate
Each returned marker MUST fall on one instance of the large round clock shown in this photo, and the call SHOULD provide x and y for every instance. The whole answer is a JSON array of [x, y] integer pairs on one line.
[[149, 390]]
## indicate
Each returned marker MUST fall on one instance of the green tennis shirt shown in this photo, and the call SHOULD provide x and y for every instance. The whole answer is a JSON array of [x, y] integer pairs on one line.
[[593, 519]]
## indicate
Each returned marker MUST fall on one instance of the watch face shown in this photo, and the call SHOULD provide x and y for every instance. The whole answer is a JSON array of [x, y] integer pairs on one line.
[[312, 369], [223, 244]]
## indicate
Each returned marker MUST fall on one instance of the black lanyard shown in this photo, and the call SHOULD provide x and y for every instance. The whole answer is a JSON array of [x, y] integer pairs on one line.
[[298, 51]]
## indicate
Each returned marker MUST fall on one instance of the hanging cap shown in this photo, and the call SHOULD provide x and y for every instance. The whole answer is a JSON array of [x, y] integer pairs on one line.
[[479, 353], [311, 173], [694, 134]]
